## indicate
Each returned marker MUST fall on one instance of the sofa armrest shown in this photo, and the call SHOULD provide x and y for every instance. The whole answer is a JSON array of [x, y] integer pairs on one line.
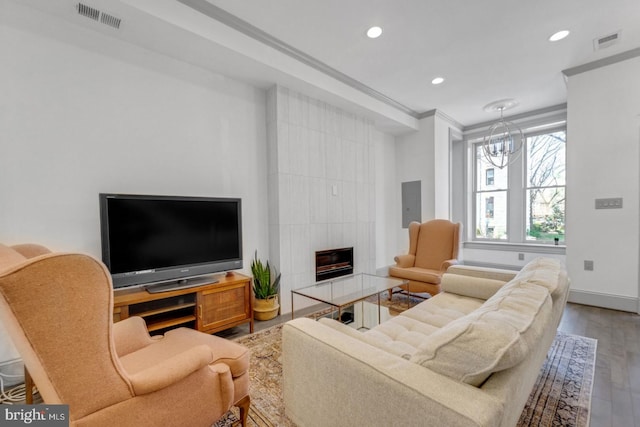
[[352, 380], [404, 261], [172, 370], [130, 335], [469, 286], [483, 272]]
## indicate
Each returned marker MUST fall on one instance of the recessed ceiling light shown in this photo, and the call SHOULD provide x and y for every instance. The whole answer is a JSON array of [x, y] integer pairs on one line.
[[437, 80], [559, 35], [374, 32]]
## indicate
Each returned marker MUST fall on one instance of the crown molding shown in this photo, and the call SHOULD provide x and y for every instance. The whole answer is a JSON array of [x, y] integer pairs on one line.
[[435, 112], [244, 27], [623, 56], [547, 111]]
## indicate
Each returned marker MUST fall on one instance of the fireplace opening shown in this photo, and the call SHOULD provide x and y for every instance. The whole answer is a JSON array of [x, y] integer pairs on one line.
[[333, 263]]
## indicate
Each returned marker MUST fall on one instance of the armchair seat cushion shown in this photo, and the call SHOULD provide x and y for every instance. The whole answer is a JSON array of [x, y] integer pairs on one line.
[[416, 274], [179, 340]]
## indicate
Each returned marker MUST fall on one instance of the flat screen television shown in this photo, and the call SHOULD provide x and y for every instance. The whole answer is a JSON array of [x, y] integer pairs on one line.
[[168, 241]]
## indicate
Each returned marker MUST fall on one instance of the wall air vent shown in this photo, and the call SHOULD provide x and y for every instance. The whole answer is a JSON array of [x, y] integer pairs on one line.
[[88, 11], [96, 15], [606, 41], [110, 20]]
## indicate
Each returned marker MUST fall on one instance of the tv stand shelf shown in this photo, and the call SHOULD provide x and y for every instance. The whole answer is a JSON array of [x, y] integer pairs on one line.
[[210, 307]]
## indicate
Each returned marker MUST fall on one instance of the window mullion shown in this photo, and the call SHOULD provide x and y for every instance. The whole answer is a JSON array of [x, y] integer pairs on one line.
[[516, 200]]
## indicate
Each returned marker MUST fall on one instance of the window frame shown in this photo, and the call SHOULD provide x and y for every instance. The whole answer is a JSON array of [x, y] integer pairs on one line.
[[516, 191]]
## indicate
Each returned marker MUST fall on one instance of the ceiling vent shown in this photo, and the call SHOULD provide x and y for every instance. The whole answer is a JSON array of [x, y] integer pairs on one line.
[[606, 41], [98, 16]]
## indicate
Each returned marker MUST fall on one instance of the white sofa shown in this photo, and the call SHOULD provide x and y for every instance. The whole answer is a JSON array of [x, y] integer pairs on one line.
[[467, 357]]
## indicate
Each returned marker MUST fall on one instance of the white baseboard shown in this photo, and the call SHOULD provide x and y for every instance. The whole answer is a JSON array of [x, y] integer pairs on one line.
[[597, 299], [383, 271]]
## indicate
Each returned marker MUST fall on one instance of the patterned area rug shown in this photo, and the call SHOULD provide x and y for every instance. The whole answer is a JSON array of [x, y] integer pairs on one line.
[[560, 397]]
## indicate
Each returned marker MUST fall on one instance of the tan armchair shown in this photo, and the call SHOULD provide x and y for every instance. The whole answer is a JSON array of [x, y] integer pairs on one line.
[[433, 247], [57, 309]]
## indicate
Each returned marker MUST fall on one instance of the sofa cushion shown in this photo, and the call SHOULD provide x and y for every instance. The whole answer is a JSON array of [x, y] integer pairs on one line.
[[545, 272], [492, 338], [403, 334]]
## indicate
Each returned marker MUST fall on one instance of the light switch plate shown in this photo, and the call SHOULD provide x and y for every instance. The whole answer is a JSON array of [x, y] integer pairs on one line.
[[612, 203]]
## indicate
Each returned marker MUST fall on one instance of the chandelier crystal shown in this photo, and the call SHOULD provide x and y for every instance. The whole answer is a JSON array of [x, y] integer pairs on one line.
[[503, 143]]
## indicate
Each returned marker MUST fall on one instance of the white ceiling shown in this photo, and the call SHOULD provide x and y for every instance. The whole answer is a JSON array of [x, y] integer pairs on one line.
[[486, 50]]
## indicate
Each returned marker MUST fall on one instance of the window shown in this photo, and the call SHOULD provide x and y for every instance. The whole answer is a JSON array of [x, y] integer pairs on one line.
[[490, 199], [490, 175], [545, 191], [524, 201]]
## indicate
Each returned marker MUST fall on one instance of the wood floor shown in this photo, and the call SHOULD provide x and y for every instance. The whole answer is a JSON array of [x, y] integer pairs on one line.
[[616, 389]]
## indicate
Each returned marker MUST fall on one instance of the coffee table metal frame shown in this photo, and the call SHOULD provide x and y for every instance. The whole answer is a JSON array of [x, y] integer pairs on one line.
[[348, 290]]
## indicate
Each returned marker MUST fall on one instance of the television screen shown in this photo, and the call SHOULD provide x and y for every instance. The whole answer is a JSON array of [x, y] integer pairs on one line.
[[149, 239]]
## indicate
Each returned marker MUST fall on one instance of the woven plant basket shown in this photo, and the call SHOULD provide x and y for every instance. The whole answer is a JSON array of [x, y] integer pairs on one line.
[[266, 309]]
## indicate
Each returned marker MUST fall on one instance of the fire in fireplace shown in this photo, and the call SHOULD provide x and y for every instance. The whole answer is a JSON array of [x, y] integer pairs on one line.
[[333, 263]]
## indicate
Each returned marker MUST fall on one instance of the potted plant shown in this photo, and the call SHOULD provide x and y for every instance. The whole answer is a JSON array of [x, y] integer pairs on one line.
[[265, 289]]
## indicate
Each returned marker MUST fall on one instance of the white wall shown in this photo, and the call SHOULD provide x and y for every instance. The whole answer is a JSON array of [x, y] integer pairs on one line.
[[424, 156], [414, 162], [82, 113], [603, 160]]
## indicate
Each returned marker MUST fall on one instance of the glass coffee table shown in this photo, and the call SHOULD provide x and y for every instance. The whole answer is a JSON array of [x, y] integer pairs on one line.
[[347, 291]]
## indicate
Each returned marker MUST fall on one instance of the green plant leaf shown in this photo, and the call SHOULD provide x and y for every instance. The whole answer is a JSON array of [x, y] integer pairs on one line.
[[263, 287]]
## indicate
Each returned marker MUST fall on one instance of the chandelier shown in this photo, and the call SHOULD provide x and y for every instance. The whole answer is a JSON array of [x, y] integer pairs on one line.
[[504, 140]]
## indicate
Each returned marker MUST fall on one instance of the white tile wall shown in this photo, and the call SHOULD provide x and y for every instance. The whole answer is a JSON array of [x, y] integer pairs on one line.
[[322, 180]]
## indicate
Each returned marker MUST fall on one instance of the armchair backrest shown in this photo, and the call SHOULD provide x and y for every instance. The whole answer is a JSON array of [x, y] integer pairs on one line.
[[434, 242], [57, 309]]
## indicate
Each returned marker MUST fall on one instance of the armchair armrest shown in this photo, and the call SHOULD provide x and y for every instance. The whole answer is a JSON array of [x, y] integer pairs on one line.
[[448, 263], [404, 261], [30, 250], [172, 370], [130, 335]]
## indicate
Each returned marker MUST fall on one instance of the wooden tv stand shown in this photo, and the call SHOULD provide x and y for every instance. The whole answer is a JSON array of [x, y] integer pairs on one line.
[[209, 308]]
